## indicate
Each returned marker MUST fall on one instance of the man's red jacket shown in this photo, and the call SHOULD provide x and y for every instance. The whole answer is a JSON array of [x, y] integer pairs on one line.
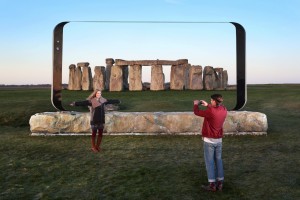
[[214, 118]]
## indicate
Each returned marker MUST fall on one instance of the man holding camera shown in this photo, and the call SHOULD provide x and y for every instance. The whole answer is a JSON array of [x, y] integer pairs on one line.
[[212, 133]]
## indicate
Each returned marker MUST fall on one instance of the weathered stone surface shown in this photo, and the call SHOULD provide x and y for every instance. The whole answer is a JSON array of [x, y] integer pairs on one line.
[[177, 77], [157, 78], [187, 77], [195, 76], [71, 83], [219, 78], [182, 76], [60, 122], [185, 123], [151, 62], [99, 78], [87, 80], [83, 64], [109, 63], [243, 122], [208, 78], [135, 78], [78, 77], [116, 78]]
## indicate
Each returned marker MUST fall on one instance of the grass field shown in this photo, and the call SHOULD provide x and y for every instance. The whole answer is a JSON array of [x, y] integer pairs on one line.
[[149, 167]]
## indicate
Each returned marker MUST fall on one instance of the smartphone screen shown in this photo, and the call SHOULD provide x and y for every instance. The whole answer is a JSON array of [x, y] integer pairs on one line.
[[210, 48]]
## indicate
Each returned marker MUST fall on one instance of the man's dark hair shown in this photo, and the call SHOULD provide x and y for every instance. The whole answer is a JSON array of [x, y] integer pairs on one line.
[[218, 98]]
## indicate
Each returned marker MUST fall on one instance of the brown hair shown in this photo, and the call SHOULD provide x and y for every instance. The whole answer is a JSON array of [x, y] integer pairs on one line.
[[93, 95], [217, 98]]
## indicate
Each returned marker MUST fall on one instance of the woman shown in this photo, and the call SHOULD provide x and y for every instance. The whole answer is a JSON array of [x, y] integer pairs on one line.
[[96, 103]]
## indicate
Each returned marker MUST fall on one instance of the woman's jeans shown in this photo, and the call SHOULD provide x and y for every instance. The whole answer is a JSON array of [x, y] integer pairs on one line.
[[213, 161]]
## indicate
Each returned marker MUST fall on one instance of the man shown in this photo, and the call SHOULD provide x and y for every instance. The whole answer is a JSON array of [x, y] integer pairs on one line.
[[212, 133]]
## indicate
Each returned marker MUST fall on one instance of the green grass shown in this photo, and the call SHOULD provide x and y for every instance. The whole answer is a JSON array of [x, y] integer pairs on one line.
[[149, 167], [17, 106]]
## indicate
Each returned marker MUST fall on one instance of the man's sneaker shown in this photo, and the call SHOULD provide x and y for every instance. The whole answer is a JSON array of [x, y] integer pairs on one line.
[[211, 187], [220, 186]]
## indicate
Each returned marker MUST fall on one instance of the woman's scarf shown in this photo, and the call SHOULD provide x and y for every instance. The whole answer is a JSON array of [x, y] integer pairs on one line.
[[97, 102]]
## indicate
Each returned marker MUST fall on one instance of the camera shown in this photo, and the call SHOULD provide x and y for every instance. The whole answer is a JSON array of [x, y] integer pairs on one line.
[[201, 102]]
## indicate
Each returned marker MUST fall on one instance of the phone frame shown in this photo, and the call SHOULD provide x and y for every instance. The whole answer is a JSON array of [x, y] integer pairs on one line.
[[56, 87]]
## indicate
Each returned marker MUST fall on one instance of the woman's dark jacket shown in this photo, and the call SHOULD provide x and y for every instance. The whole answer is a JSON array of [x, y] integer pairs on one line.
[[96, 107]]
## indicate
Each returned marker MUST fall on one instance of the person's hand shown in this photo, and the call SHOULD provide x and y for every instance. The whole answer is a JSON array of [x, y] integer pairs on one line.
[[72, 104], [196, 102], [204, 103]]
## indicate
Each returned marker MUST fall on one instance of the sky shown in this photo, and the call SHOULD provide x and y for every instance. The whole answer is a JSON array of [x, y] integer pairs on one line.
[[272, 36]]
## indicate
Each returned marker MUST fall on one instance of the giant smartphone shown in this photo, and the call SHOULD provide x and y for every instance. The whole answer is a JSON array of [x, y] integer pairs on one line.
[[221, 45]]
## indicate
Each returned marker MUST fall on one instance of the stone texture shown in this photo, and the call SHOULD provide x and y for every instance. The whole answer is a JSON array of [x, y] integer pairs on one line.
[[157, 78], [109, 63], [195, 77], [83, 64], [177, 77], [135, 78], [208, 78], [116, 79], [71, 83], [151, 62], [187, 77], [87, 80], [78, 77], [182, 76], [219, 78], [60, 122], [128, 123], [99, 78]]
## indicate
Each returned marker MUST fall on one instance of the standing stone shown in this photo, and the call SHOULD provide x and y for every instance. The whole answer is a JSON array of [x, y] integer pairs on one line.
[[109, 63], [219, 78], [208, 78], [78, 77], [71, 77], [195, 75], [86, 81], [177, 77], [135, 78], [187, 77], [99, 78], [215, 80], [116, 79], [157, 78]]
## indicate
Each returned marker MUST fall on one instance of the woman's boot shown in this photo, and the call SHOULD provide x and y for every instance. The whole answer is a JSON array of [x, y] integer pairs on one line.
[[94, 149], [99, 139]]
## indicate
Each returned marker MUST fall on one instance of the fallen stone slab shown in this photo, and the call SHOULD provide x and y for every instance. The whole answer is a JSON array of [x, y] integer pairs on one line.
[[145, 123]]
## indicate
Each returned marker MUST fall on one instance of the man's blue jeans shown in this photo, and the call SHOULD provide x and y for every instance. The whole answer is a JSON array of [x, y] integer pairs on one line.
[[213, 161]]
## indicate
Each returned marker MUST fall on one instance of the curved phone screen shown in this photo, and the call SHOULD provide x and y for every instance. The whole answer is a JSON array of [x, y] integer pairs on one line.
[[197, 58]]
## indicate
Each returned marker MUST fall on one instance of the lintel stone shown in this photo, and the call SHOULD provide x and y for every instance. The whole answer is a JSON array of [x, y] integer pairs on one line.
[[151, 62]]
